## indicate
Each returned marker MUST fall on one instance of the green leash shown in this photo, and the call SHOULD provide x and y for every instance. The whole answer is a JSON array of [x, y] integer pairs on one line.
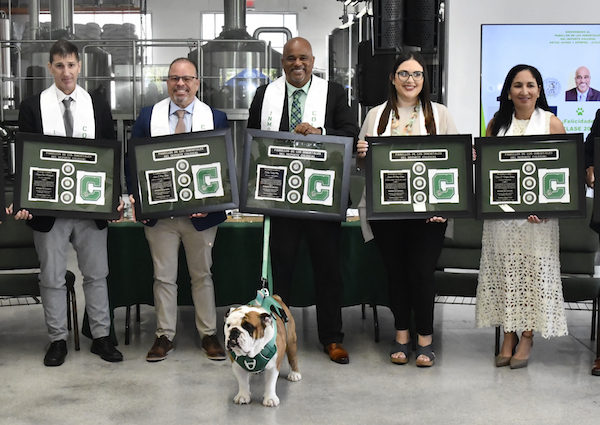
[[265, 300], [266, 276]]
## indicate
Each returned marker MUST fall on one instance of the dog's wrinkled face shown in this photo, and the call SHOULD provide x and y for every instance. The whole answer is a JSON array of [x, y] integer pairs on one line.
[[247, 330]]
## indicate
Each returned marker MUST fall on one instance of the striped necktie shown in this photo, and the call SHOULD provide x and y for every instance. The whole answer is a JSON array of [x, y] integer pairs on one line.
[[296, 116]]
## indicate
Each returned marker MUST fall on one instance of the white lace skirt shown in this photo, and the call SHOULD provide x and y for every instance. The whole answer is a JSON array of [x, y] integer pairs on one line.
[[519, 278]]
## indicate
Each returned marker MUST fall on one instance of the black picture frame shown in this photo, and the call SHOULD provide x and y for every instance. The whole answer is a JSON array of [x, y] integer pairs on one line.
[[397, 166], [596, 209], [2, 188], [178, 199], [516, 163], [64, 157], [276, 154]]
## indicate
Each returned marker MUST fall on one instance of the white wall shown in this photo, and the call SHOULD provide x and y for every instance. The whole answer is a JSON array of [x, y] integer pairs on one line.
[[464, 19], [316, 19]]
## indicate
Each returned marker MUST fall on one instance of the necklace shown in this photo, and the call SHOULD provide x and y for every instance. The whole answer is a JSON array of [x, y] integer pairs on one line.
[[408, 129], [521, 126]]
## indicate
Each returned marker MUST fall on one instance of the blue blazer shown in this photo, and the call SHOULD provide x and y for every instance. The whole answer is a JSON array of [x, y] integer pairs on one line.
[[141, 128]]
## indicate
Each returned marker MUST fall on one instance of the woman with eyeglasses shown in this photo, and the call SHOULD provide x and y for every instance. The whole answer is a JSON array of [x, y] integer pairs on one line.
[[519, 284], [410, 248]]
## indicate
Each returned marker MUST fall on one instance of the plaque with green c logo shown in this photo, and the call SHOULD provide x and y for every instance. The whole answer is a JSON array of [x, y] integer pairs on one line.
[[2, 194], [519, 176], [292, 175], [419, 176], [183, 174], [67, 177]]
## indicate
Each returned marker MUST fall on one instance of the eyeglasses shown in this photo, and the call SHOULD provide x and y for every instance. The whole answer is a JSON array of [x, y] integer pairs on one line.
[[185, 78], [405, 75]]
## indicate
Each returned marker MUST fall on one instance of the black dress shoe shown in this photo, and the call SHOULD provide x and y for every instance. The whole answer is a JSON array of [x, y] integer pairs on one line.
[[106, 349], [55, 356]]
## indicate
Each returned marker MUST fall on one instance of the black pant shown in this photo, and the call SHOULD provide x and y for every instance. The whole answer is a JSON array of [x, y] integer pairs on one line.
[[323, 238], [410, 250]]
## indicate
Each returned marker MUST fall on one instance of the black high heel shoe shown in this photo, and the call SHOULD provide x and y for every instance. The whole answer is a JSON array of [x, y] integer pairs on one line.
[[502, 361]]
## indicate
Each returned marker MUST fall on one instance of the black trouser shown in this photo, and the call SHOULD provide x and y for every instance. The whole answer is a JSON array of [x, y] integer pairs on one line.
[[323, 238], [410, 250]]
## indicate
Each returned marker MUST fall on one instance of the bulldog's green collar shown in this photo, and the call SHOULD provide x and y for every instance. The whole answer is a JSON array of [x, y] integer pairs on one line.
[[258, 363]]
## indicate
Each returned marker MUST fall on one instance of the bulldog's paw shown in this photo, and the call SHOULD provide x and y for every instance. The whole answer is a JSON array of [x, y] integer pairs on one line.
[[242, 398], [271, 401], [294, 376]]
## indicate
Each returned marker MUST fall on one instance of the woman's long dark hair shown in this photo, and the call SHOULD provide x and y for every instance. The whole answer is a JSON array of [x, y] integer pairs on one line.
[[503, 118], [424, 96]]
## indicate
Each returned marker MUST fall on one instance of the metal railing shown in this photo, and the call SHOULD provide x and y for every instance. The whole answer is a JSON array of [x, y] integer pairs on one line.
[[139, 62]]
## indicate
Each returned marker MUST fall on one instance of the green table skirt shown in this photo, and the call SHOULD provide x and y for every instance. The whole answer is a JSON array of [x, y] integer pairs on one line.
[[237, 257]]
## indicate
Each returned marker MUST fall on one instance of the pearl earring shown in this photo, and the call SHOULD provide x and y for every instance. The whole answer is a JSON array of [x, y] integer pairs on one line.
[[509, 97]]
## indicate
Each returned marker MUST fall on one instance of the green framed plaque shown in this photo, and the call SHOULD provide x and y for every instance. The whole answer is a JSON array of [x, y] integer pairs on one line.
[[419, 176], [517, 176], [291, 175], [2, 190], [183, 174], [596, 214], [67, 177]]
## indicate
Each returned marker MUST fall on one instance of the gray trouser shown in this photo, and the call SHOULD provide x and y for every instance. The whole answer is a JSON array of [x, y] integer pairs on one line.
[[90, 245], [164, 239]]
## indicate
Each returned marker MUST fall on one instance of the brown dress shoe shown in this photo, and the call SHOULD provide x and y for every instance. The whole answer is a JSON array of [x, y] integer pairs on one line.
[[337, 353], [162, 346], [214, 351], [596, 368]]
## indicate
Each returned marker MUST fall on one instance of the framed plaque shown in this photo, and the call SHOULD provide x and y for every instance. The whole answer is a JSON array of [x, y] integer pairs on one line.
[[67, 177], [518, 176], [292, 175], [596, 214], [2, 191], [419, 177], [183, 174]]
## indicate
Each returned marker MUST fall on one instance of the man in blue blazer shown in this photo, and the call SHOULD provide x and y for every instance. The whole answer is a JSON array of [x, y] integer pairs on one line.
[[182, 112]]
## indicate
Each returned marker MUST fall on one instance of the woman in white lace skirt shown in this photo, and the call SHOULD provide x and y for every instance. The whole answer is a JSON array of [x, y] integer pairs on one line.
[[519, 275]]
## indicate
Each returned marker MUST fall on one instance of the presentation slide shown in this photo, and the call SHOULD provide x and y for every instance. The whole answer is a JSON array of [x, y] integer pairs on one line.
[[567, 56]]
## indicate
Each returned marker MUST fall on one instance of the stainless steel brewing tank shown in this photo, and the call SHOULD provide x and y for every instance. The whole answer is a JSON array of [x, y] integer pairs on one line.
[[35, 60], [233, 66], [96, 72]]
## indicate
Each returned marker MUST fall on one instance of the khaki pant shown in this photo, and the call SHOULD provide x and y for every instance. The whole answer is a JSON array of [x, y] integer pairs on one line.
[[164, 239]]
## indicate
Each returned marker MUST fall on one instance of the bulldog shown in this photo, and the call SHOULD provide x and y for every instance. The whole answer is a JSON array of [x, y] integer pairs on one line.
[[257, 340]]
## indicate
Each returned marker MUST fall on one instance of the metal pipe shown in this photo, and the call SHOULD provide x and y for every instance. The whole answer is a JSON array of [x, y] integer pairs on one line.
[[135, 80], [6, 86], [234, 12], [34, 19], [276, 30], [61, 13]]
